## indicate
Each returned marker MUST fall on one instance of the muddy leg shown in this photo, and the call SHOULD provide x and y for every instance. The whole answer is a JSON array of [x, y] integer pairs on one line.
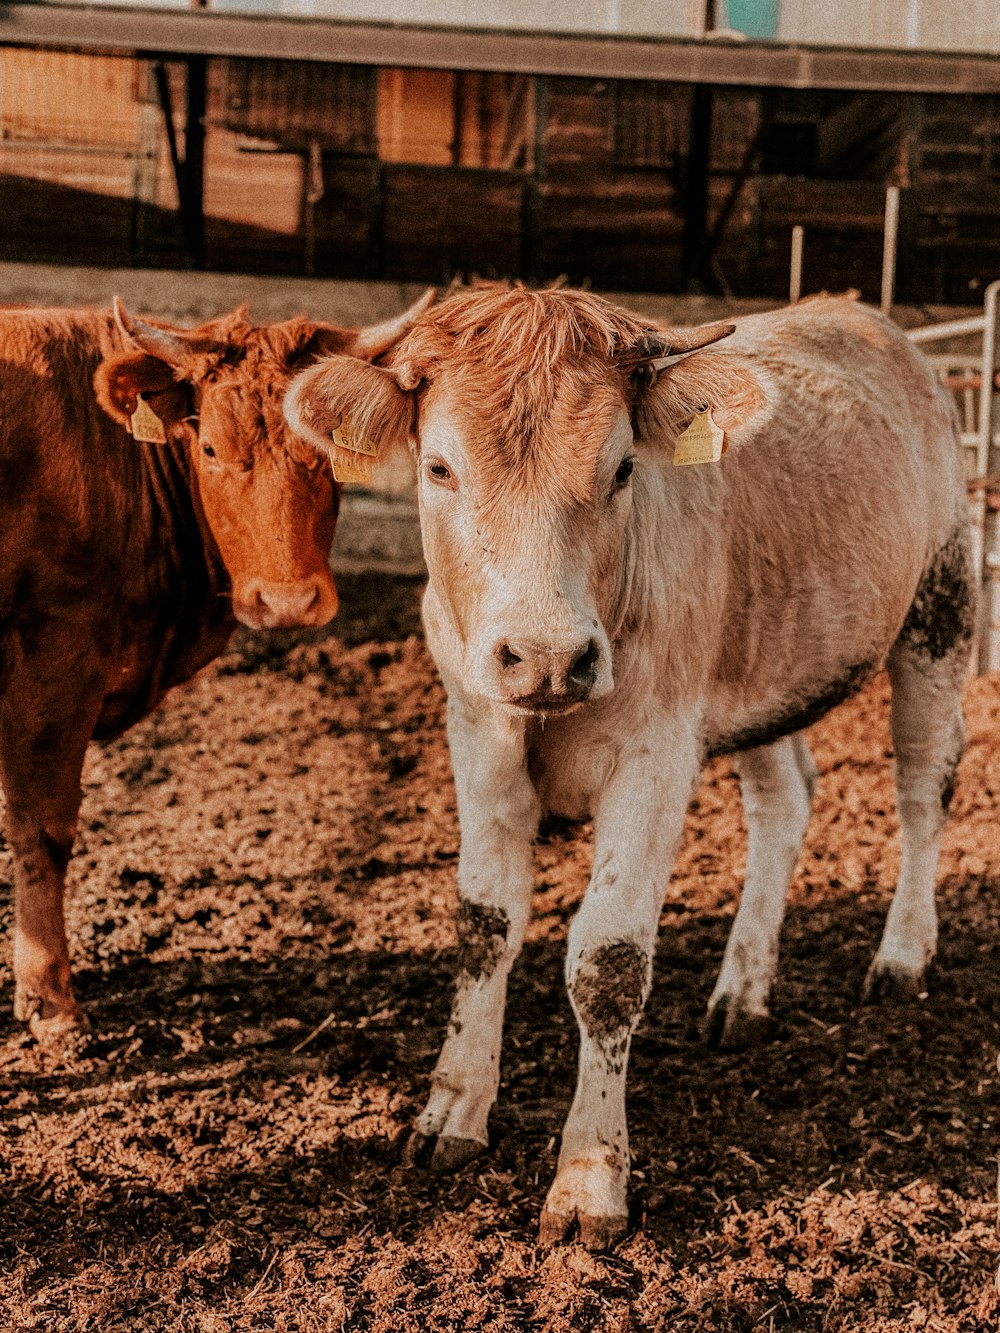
[[928, 736], [777, 784], [638, 822], [498, 810]]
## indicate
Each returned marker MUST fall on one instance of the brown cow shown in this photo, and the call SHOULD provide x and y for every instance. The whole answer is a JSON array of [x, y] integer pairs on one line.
[[124, 566], [604, 619]]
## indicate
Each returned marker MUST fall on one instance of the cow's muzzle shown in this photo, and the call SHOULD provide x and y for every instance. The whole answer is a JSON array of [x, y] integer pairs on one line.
[[545, 679], [292, 605]]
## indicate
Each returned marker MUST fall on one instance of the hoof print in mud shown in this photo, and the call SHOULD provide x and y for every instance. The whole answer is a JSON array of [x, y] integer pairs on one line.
[[593, 1233], [727, 1028]]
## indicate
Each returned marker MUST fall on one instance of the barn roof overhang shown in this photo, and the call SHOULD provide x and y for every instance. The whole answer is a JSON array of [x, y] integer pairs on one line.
[[165, 33]]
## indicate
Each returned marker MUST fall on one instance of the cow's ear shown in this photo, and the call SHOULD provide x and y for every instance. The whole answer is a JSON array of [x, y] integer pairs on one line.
[[139, 391], [359, 401], [669, 395]]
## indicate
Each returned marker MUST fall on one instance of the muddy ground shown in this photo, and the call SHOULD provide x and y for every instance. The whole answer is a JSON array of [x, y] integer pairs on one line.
[[274, 853]]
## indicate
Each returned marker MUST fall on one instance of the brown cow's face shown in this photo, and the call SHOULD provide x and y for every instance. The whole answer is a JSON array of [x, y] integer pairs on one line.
[[269, 501]]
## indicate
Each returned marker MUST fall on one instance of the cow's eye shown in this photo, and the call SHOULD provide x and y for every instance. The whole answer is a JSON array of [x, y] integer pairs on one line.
[[440, 472], [209, 451], [624, 471]]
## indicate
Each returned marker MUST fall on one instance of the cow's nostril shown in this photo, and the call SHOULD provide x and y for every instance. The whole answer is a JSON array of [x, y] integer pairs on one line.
[[583, 671], [507, 657]]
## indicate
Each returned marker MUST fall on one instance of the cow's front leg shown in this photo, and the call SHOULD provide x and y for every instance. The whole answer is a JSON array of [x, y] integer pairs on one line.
[[498, 813], [638, 821], [40, 765]]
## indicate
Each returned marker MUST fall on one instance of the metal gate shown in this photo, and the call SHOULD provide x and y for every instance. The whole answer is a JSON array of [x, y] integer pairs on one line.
[[972, 379]]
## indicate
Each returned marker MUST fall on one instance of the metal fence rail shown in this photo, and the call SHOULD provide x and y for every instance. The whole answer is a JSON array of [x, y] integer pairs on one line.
[[972, 379]]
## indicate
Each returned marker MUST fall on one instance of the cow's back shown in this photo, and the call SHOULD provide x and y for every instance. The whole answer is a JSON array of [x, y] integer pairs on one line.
[[832, 512], [64, 476]]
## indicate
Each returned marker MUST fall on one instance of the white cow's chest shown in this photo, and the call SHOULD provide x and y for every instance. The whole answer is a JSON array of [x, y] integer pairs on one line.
[[569, 761]]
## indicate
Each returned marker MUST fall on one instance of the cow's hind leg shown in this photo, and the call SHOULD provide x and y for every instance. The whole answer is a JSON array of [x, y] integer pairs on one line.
[[927, 666], [777, 783]]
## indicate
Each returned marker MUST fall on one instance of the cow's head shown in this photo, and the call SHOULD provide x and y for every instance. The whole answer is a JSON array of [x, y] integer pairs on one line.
[[269, 500], [542, 421]]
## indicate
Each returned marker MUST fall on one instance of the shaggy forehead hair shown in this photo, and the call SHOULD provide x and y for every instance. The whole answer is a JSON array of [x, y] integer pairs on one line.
[[256, 350], [535, 366]]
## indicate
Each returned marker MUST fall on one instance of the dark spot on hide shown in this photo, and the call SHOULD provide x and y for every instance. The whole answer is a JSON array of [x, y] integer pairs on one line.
[[56, 849], [947, 787], [798, 715], [941, 617], [482, 936], [608, 990]]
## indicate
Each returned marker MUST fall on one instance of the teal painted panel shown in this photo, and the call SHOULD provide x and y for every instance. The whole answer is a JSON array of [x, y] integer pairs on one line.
[[756, 18]]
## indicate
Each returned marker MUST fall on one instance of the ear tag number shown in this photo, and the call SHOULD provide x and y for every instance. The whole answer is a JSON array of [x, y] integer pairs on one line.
[[353, 455], [146, 426], [702, 442]]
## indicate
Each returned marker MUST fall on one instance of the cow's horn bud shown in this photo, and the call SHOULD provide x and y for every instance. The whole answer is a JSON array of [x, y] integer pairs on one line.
[[678, 342], [161, 343]]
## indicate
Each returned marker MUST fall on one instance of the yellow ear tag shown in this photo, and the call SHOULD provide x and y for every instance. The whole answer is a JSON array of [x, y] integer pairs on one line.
[[702, 442], [146, 426], [353, 455]]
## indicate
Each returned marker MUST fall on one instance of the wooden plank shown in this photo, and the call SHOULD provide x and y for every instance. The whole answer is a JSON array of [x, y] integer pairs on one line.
[[754, 64]]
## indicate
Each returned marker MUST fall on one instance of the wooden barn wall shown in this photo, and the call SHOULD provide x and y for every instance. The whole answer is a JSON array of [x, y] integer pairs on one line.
[[419, 175]]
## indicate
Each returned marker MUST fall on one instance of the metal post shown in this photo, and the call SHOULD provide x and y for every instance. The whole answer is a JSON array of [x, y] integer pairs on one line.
[[696, 181], [989, 465], [889, 248], [194, 156], [795, 274]]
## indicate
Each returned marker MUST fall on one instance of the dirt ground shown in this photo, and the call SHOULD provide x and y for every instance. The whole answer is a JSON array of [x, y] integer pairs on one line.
[[261, 921]]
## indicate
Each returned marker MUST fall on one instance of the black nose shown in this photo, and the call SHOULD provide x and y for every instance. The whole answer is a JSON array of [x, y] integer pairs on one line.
[[539, 674], [583, 672]]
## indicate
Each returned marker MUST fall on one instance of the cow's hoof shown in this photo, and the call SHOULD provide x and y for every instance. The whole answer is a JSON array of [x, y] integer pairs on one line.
[[451, 1154], [418, 1148], [61, 1033], [889, 983], [441, 1153], [596, 1233], [54, 1026], [729, 1028]]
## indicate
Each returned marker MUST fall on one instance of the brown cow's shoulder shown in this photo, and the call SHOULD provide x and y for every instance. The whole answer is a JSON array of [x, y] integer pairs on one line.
[[96, 528]]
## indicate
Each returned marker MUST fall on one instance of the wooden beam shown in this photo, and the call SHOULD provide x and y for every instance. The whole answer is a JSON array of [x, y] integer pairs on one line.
[[679, 60]]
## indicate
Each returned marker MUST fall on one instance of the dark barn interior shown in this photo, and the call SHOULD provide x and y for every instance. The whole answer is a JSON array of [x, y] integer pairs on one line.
[[352, 170]]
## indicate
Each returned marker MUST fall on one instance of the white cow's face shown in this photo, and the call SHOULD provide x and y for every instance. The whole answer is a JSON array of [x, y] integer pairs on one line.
[[524, 542], [522, 408]]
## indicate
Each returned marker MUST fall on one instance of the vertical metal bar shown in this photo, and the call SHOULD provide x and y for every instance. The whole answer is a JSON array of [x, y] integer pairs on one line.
[[989, 464], [145, 163], [531, 207], [795, 274], [889, 238], [194, 156], [696, 189]]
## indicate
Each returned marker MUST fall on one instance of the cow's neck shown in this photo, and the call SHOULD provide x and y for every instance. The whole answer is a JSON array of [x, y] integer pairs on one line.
[[178, 591]]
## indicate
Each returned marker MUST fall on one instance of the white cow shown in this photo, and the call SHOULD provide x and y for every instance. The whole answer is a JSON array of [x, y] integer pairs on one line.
[[603, 620]]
